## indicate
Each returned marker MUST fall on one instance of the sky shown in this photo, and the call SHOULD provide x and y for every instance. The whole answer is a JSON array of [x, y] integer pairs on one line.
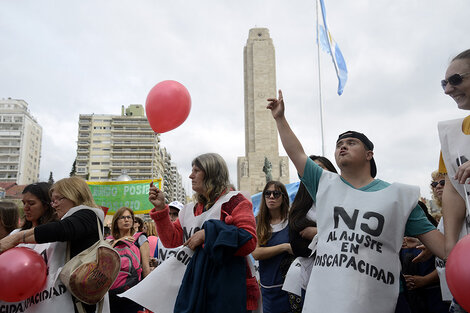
[[66, 58]]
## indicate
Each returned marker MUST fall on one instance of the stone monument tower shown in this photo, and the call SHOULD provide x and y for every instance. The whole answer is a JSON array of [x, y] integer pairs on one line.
[[261, 161]]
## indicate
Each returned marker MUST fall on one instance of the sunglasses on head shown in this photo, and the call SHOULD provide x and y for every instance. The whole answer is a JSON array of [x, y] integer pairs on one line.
[[453, 80], [276, 194], [435, 183]]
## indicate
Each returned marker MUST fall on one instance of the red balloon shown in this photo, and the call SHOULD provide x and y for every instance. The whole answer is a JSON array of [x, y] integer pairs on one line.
[[458, 272], [23, 274], [167, 106]]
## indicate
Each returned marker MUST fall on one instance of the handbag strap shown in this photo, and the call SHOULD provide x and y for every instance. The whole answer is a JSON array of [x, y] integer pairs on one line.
[[81, 309]]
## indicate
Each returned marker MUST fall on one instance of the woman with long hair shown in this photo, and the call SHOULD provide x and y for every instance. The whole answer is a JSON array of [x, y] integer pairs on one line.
[[302, 215], [135, 244], [37, 205], [302, 230], [77, 227], [151, 231], [8, 217], [273, 251], [218, 209]]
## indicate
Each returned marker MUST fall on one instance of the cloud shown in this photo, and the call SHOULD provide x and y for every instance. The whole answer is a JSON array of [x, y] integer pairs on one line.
[[71, 58]]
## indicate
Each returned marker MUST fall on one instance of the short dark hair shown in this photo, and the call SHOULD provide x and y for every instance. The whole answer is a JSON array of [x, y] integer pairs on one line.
[[367, 144]]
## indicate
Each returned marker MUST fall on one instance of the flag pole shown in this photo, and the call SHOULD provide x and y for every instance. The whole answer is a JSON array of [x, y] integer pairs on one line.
[[319, 85]]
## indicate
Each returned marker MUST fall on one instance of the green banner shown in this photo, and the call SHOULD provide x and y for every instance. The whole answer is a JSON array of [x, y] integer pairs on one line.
[[132, 194]]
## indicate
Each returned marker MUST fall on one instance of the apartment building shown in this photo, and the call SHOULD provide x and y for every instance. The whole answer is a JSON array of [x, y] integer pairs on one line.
[[110, 145], [20, 143]]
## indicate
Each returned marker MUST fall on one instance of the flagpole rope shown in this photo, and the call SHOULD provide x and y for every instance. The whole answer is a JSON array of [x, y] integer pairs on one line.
[[319, 85]]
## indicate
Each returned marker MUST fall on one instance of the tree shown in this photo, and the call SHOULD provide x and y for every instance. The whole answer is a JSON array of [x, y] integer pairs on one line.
[[51, 179], [74, 168]]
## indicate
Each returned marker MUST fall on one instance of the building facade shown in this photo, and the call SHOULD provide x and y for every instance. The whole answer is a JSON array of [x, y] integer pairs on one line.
[[261, 160], [111, 145], [20, 143]]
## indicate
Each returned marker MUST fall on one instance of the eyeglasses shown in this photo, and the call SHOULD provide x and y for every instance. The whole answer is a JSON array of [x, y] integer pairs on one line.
[[126, 217], [268, 193], [453, 80], [56, 201], [435, 183]]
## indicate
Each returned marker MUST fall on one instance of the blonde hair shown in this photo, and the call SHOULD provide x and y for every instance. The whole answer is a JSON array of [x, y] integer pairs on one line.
[[437, 216], [151, 228], [216, 178], [436, 176], [76, 190], [114, 224]]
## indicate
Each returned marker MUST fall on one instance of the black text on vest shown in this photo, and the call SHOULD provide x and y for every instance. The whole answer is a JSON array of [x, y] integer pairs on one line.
[[351, 221]]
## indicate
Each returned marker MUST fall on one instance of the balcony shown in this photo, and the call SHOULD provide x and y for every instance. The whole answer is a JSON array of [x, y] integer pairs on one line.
[[145, 165], [136, 143], [117, 158]]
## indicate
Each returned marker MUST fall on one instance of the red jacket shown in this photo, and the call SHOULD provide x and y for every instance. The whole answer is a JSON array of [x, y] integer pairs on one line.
[[238, 211]]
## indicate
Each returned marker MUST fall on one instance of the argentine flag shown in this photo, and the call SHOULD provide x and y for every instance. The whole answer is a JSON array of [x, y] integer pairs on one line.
[[327, 43]]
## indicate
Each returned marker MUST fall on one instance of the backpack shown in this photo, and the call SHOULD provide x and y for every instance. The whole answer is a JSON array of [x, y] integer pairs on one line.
[[131, 268]]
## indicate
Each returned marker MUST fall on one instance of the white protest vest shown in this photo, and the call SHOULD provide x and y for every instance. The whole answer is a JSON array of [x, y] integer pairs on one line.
[[357, 268], [164, 253], [455, 145], [54, 296], [298, 275], [440, 265], [169, 275]]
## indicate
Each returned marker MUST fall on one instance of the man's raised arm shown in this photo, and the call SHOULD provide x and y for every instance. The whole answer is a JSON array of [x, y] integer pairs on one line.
[[291, 144]]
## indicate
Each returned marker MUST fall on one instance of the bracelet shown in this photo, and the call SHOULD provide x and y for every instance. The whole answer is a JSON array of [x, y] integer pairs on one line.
[[24, 237]]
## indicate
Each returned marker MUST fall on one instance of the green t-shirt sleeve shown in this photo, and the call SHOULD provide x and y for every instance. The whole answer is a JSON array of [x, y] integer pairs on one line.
[[417, 223], [311, 178]]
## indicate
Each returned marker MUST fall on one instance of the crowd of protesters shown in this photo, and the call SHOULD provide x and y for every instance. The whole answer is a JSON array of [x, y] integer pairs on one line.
[[349, 242]]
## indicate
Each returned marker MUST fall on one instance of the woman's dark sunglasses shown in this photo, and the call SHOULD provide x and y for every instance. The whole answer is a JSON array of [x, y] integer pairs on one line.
[[276, 194], [435, 183], [453, 80]]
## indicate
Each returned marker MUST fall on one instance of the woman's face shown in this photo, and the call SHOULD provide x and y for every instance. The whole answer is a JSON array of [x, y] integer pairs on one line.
[[273, 198], [197, 180], [438, 187], [461, 92], [33, 208], [125, 222], [61, 204], [136, 225]]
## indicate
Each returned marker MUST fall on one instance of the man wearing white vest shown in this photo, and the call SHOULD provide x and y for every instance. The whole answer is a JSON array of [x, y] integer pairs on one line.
[[361, 223]]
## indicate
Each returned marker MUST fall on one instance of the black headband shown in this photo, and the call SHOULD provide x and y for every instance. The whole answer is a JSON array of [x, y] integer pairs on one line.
[[360, 136]]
